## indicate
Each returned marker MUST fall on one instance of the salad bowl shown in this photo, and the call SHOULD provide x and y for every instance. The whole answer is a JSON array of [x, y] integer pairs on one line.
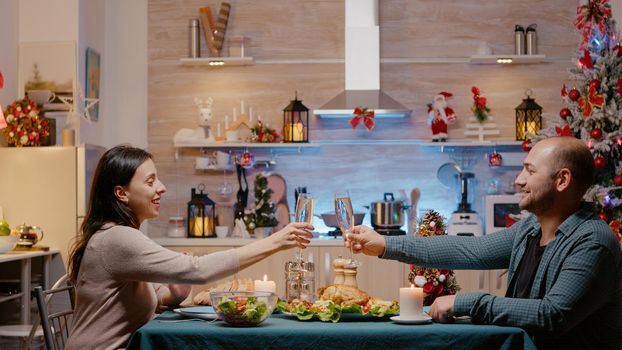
[[241, 308]]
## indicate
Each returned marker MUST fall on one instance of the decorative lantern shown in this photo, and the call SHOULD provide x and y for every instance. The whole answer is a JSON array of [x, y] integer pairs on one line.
[[528, 118], [201, 214], [296, 122]]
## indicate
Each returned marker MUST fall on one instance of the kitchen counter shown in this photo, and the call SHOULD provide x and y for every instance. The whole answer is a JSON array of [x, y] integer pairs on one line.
[[320, 241]]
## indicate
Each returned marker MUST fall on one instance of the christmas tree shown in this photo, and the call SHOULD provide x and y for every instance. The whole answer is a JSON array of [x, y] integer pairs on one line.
[[435, 282], [262, 212], [593, 106]]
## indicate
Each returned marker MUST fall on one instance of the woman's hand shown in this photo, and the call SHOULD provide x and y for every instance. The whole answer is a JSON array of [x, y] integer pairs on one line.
[[295, 234], [365, 240]]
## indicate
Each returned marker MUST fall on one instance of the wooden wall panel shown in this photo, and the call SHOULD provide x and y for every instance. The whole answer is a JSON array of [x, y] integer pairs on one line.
[[306, 29]]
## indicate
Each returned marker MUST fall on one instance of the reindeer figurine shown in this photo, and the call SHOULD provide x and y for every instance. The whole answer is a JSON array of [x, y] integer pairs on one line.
[[204, 108]]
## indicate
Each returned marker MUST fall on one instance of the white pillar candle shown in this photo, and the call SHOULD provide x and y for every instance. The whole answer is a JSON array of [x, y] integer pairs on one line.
[[235, 115], [218, 129], [242, 110], [250, 114], [226, 122], [265, 285], [411, 302], [258, 117]]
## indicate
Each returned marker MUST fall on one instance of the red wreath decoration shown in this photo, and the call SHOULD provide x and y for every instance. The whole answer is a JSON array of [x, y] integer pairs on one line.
[[594, 13], [364, 114]]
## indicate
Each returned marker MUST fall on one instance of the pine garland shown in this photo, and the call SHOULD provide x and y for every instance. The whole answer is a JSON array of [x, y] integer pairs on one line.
[[435, 282]]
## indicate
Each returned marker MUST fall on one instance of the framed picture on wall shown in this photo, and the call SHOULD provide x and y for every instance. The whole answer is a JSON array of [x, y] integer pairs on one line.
[[47, 73], [93, 68]]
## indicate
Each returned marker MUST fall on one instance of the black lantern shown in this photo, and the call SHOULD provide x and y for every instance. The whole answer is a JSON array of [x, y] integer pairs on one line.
[[528, 118], [296, 122], [201, 214]]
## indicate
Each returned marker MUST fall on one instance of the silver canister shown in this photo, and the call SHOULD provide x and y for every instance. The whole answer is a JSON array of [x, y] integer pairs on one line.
[[519, 40], [194, 39], [531, 40], [300, 281]]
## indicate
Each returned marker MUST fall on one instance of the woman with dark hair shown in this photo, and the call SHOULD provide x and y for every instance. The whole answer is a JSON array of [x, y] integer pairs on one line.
[[120, 275]]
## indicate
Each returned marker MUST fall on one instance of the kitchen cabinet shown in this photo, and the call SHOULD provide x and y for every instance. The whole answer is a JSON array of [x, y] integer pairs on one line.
[[487, 281], [378, 277]]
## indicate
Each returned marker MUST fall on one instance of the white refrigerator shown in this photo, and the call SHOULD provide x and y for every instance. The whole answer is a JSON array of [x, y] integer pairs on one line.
[[48, 187]]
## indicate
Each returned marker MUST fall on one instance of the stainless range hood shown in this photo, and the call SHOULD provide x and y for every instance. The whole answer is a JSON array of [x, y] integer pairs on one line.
[[362, 67]]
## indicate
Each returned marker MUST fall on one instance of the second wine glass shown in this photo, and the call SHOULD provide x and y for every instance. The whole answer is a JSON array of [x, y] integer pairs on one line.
[[345, 217], [304, 213]]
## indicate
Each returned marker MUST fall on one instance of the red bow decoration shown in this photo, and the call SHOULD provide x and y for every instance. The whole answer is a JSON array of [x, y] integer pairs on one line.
[[565, 131], [592, 100], [1, 81], [564, 92], [615, 226], [586, 60], [595, 12], [366, 115]]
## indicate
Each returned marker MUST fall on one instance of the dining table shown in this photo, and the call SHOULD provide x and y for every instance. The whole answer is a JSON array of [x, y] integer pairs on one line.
[[283, 331]]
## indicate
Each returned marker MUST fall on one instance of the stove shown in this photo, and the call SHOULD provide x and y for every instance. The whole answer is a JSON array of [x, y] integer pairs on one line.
[[388, 231], [335, 233]]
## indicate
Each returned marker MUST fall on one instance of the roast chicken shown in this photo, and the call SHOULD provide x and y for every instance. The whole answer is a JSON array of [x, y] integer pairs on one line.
[[342, 294]]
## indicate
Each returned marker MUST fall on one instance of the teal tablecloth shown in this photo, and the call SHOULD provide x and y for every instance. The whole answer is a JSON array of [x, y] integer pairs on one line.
[[286, 332]]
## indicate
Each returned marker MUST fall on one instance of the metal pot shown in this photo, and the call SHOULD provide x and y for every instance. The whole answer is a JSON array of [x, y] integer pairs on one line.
[[388, 213], [330, 219]]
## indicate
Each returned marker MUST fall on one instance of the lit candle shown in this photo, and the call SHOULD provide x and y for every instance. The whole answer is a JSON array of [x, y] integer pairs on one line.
[[201, 226], [250, 114], [259, 117], [294, 132], [411, 302], [218, 129], [242, 107], [265, 285], [235, 114], [226, 122]]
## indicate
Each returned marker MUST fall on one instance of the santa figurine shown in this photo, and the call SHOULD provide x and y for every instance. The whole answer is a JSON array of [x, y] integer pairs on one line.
[[439, 116]]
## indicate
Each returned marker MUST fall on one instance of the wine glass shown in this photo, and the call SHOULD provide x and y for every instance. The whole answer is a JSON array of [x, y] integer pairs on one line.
[[345, 218], [304, 213]]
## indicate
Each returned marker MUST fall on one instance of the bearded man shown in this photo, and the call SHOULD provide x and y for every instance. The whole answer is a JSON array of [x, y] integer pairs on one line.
[[564, 263]]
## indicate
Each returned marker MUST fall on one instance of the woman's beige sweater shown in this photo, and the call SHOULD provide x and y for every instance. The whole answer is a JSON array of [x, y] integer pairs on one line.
[[115, 294]]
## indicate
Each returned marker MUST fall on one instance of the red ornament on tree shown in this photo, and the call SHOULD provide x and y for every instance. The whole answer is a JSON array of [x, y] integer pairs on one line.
[[596, 133], [603, 216], [526, 145], [495, 159], [595, 84], [618, 50], [617, 180], [564, 113], [599, 162], [574, 94]]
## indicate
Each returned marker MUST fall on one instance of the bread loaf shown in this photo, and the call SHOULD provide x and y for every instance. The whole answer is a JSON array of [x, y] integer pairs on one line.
[[239, 284]]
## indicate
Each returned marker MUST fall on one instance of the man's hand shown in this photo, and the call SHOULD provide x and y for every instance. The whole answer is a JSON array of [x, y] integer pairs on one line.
[[442, 309], [365, 240]]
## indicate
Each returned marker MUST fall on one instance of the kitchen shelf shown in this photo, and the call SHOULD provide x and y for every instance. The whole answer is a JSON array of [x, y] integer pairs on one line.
[[511, 59], [271, 146], [246, 145], [217, 61]]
